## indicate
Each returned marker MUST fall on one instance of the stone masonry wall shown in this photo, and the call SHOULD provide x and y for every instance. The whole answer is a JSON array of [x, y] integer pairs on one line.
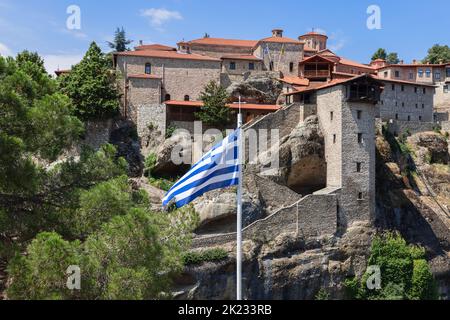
[[314, 215], [219, 51], [407, 104], [400, 127], [180, 77], [292, 53]]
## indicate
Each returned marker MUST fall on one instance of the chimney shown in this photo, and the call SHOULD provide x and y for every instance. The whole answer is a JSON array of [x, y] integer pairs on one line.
[[277, 33], [414, 61], [141, 42]]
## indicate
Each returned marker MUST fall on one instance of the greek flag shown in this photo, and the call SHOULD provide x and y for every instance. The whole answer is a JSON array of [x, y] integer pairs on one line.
[[219, 168]]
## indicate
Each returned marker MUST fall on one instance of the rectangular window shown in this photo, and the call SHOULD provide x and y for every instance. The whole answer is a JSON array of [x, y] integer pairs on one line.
[[403, 88], [423, 105], [397, 74], [358, 167], [437, 75], [420, 73], [409, 118], [420, 118], [424, 90], [411, 76], [359, 114], [417, 106], [446, 89], [428, 73], [393, 87], [386, 74], [415, 89], [360, 196], [334, 138], [331, 115], [291, 67], [447, 71], [396, 116], [360, 138], [251, 66], [232, 65]]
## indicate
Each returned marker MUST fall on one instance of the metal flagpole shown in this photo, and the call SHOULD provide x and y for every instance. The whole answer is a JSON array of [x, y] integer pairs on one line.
[[239, 209]]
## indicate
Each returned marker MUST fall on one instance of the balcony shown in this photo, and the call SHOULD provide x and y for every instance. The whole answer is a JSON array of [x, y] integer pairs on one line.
[[317, 74]]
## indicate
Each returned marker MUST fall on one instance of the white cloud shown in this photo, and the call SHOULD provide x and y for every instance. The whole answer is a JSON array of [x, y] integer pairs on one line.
[[60, 62], [4, 50], [158, 17], [74, 33], [337, 41]]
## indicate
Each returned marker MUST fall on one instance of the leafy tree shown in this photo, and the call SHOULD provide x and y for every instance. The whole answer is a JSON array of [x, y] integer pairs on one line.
[[379, 54], [438, 54], [214, 110], [41, 274], [392, 58], [405, 273], [120, 43], [32, 57], [91, 85]]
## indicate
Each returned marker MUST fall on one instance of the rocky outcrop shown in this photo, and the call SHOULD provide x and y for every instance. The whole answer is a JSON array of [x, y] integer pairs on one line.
[[261, 87], [288, 268], [432, 147], [174, 156]]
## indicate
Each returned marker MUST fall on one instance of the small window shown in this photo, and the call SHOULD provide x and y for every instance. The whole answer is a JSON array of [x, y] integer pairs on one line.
[[360, 138], [360, 196], [437, 75], [331, 116], [251, 66], [420, 73], [393, 87], [148, 68], [411, 76], [423, 105], [403, 88], [359, 114], [358, 166], [397, 74], [382, 102], [417, 106], [409, 118], [428, 73], [420, 118], [271, 66], [424, 90], [415, 89], [396, 116], [446, 87], [291, 67], [186, 98], [386, 74], [447, 72], [403, 104], [233, 65], [334, 138], [167, 97]]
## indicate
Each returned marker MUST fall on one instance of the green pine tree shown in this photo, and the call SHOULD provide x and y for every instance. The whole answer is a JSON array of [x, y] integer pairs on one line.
[[214, 110], [92, 86], [120, 43], [438, 54]]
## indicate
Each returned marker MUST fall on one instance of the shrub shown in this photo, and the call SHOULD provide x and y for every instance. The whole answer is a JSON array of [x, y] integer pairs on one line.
[[212, 255], [149, 164], [322, 295]]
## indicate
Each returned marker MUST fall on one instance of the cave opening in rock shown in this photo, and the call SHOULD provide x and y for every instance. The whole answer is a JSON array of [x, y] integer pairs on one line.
[[308, 175]]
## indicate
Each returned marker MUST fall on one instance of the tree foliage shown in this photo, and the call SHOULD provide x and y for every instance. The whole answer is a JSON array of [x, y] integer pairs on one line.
[[405, 273], [390, 58], [92, 87], [120, 43], [379, 54], [214, 110], [438, 54]]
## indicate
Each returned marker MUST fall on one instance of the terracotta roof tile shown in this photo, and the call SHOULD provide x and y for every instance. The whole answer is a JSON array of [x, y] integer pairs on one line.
[[166, 55], [295, 81], [355, 64], [244, 106], [281, 40], [225, 42], [158, 47], [405, 82]]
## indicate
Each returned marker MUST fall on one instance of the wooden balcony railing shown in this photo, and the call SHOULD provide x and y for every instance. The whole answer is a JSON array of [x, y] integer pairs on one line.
[[316, 73]]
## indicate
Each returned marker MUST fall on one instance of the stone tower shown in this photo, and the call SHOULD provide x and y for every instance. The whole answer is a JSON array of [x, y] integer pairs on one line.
[[314, 40]]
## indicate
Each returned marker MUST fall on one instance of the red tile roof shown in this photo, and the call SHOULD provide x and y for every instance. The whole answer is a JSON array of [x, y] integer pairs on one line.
[[166, 55], [295, 81], [313, 33], [143, 76], [244, 106], [355, 64], [158, 47], [225, 42], [421, 65], [241, 57], [315, 57], [281, 40]]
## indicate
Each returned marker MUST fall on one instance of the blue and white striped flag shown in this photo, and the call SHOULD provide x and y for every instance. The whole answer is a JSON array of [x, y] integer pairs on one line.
[[219, 168]]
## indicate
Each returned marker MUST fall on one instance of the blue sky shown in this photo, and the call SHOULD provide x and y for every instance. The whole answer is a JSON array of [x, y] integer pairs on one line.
[[407, 28]]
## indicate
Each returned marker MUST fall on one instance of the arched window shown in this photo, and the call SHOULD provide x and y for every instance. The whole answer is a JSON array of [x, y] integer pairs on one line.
[[148, 68], [167, 97], [186, 98]]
